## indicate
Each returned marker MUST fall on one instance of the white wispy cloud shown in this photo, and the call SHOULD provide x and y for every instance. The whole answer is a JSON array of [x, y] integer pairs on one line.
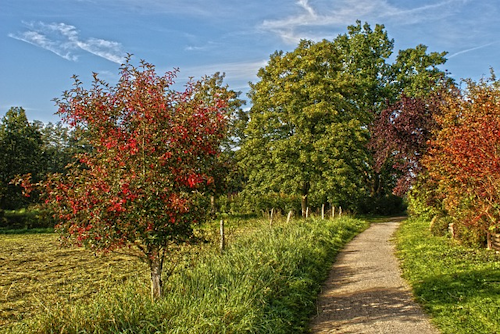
[[470, 49], [236, 70], [314, 24], [64, 40], [238, 74]]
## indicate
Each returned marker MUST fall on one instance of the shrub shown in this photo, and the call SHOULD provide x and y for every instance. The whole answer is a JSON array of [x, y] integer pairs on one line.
[[439, 225]]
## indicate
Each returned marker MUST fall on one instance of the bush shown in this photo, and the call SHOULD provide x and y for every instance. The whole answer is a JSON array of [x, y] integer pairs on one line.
[[439, 225]]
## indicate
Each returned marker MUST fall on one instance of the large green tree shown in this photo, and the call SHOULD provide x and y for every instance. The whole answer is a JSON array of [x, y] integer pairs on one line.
[[305, 135], [20, 153], [312, 109]]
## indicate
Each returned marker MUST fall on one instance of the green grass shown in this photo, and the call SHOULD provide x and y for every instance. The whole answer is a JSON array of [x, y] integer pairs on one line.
[[266, 281], [459, 287]]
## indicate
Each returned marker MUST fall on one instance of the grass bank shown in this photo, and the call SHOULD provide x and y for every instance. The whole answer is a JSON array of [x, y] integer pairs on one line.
[[266, 281], [458, 286]]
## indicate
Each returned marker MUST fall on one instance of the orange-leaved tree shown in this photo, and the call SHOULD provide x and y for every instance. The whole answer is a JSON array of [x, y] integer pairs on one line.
[[464, 158], [145, 179]]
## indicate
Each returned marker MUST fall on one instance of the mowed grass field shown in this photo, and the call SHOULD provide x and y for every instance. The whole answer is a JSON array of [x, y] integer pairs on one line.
[[36, 273], [458, 286]]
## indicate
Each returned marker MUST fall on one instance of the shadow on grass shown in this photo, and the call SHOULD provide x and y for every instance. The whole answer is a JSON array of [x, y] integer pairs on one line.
[[459, 287]]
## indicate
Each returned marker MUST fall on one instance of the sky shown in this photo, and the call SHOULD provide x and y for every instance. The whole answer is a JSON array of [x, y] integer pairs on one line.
[[43, 43]]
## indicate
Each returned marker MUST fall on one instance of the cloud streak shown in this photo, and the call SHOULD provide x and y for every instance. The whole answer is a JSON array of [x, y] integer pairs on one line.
[[310, 24], [64, 40], [471, 49]]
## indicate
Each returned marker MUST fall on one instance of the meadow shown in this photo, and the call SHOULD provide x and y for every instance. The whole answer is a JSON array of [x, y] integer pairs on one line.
[[459, 287], [266, 280]]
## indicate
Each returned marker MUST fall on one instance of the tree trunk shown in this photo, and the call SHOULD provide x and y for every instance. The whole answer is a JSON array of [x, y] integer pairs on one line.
[[156, 265]]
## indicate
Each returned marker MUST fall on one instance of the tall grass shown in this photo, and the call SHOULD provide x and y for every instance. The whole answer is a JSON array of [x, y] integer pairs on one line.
[[265, 282], [458, 286]]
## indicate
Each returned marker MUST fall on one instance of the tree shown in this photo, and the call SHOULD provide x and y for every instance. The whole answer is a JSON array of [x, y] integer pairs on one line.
[[60, 145], [464, 157], [402, 128], [20, 153], [143, 182], [305, 135], [400, 136]]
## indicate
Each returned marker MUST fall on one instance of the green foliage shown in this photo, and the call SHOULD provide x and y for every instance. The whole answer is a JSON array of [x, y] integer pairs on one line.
[[26, 219], [439, 225], [458, 286], [265, 282], [386, 205], [304, 136], [60, 146], [20, 153]]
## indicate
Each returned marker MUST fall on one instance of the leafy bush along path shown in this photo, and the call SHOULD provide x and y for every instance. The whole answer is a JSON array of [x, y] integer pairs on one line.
[[365, 292]]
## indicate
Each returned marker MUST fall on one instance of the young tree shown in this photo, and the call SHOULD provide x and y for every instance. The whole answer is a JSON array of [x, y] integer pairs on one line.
[[143, 182]]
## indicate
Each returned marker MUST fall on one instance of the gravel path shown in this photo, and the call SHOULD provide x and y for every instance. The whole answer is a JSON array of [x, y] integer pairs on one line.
[[365, 292]]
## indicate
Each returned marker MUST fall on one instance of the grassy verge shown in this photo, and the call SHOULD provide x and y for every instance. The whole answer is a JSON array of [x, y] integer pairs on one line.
[[458, 286], [267, 281]]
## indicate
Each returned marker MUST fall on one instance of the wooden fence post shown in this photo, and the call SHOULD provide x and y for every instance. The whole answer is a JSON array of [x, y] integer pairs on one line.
[[323, 211], [271, 216], [289, 217], [307, 212], [340, 212], [222, 236], [333, 211]]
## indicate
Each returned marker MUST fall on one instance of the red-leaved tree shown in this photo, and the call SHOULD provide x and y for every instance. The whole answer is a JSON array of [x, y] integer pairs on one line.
[[144, 182], [400, 136], [464, 158]]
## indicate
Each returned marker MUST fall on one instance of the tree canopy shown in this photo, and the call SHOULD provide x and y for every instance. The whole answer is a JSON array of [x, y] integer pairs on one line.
[[143, 181], [20, 153], [312, 111]]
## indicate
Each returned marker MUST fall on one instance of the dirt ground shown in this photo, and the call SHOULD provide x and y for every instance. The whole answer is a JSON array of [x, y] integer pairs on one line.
[[365, 292]]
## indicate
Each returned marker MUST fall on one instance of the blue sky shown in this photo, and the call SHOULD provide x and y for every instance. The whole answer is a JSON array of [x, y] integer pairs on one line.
[[44, 42]]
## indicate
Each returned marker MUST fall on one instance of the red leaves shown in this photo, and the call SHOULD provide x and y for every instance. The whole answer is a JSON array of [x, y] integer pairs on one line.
[[400, 136], [151, 156], [464, 159]]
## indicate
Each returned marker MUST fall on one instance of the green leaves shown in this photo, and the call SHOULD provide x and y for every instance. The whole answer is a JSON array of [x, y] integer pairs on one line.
[[302, 120], [20, 153]]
